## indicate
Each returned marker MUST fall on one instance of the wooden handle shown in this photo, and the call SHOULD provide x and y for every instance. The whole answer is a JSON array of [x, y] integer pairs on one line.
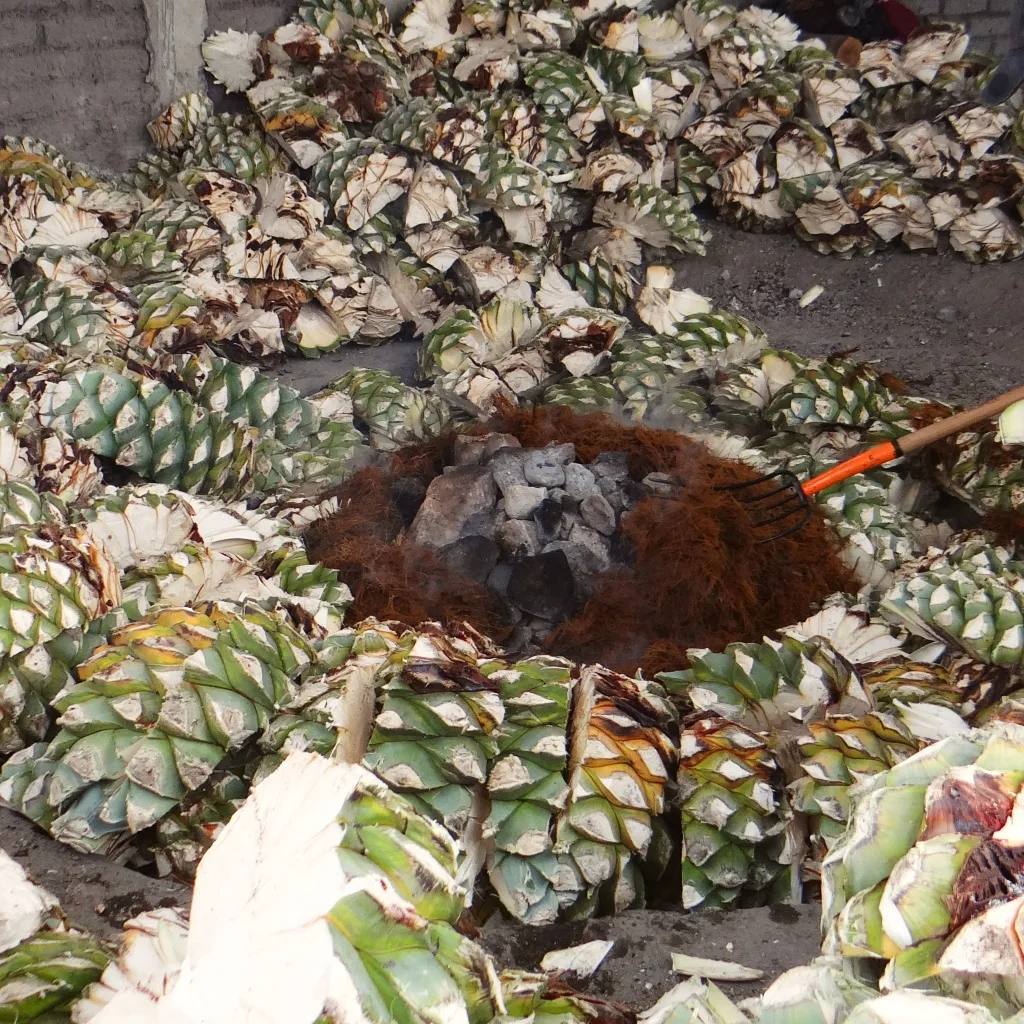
[[957, 422]]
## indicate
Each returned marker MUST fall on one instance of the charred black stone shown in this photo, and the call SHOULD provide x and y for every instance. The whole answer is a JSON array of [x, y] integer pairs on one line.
[[542, 585]]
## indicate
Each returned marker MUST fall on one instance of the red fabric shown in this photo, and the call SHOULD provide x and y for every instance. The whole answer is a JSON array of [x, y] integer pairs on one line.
[[902, 19]]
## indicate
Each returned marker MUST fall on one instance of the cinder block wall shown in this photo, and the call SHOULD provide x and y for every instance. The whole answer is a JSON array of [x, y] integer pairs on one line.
[[81, 73], [78, 72], [988, 21]]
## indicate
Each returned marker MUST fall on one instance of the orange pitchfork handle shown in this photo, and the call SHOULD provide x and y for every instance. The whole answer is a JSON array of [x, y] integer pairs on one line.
[[883, 453]]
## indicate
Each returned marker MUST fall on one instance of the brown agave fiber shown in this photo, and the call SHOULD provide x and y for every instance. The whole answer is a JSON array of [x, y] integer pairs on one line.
[[699, 577]]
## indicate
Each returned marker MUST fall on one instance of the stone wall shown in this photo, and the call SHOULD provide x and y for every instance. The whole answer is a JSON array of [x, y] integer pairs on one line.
[[87, 75]]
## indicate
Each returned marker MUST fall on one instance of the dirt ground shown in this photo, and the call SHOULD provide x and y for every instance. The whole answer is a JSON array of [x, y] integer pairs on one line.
[[99, 895], [953, 330], [638, 969]]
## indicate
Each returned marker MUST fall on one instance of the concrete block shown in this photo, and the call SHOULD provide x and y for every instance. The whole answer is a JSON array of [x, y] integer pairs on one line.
[[964, 8], [92, 31], [20, 34], [244, 16]]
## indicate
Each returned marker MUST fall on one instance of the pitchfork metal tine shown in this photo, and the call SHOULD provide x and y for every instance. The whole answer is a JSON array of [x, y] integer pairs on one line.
[[794, 502]]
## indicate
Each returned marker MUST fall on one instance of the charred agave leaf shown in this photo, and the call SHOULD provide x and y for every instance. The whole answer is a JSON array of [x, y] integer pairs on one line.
[[802, 151], [929, 150], [986, 235], [978, 127], [717, 138], [997, 180], [738, 54], [654, 217], [577, 339], [360, 178], [173, 130], [517, 192], [829, 88], [990, 875], [519, 127], [304, 127], [675, 86], [883, 197], [927, 50], [359, 88], [762, 213], [759, 108], [705, 20], [855, 140]]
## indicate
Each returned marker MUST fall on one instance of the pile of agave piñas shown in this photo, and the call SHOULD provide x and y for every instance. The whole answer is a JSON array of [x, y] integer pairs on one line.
[[165, 642]]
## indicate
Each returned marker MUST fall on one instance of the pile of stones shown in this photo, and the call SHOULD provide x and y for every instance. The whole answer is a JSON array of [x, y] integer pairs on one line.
[[535, 525]]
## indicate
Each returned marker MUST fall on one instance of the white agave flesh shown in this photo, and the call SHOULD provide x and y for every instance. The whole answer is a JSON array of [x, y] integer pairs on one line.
[[425, 25], [828, 97], [713, 970], [855, 140], [928, 149], [433, 195], [152, 951], [70, 227], [250, 957], [827, 213], [782, 29], [904, 1007], [662, 36], [233, 58], [287, 210], [989, 943], [927, 51], [850, 631], [582, 960], [25, 904], [10, 314], [989, 234]]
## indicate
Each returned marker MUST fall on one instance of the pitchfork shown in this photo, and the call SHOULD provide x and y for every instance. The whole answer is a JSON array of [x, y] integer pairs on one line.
[[787, 497]]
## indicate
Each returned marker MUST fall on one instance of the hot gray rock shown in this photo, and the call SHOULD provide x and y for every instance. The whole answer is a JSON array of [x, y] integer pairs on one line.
[[469, 450], [661, 485], [507, 468], [597, 513], [544, 469], [586, 550], [499, 577], [548, 518], [495, 442], [564, 498], [611, 491], [522, 501], [580, 483], [518, 539], [611, 466], [457, 504], [473, 557], [542, 585]]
